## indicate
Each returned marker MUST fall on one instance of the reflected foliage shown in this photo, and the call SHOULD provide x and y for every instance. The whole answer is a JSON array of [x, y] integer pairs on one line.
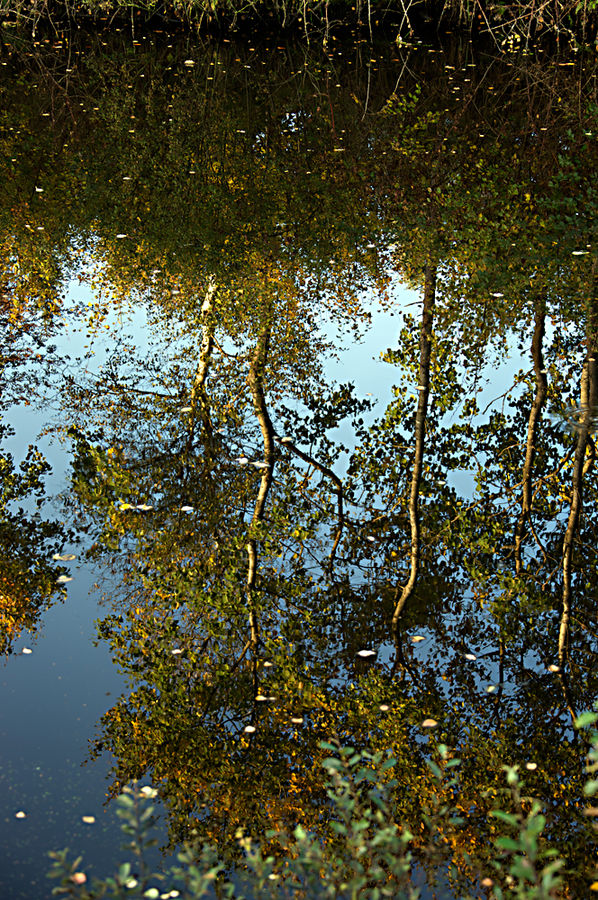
[[277, 585]]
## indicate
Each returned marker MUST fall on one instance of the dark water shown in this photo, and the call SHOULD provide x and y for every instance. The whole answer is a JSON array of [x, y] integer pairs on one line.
[[305, 338]]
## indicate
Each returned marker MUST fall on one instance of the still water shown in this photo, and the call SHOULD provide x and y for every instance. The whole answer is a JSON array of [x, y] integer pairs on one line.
[[305, 340]]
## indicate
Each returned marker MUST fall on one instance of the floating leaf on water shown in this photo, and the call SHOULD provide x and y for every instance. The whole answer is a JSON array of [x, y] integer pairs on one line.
[[417, 638], [187, 409], [121, 236], [297, 720], [491, 689], [39, 190], [531, 767], [497, 294], [286, 440], [370, 538], [579, 253], [20, 814], [260, 465], [26, 651], [88, 820], [125, 506], [186, 509], [78, 878], [62, 579], [384, 707], [470, 656], [144, 507], [64, 557], [189, 63], [268, 664], [429, 723], [249, 729], [554, 669], [365, 653], [242, 461], [148, 791], [176, 651]]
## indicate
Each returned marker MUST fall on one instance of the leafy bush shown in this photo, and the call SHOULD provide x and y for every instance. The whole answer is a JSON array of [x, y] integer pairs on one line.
[[359, 852]]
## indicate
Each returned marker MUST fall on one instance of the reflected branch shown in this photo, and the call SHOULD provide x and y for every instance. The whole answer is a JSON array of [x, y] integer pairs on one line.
[[338, 484]]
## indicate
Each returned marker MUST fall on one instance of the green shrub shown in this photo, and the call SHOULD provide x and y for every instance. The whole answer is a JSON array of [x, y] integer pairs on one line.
[[360, 850]]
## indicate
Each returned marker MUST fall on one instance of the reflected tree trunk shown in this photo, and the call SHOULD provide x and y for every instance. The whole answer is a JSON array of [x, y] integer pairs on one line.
[[403, 592], [538, 404], [256, 386], [581, 466], [199, 400]]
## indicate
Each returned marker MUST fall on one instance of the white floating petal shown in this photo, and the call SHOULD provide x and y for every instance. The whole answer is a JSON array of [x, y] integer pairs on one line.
[[148, 791], [62, 579]]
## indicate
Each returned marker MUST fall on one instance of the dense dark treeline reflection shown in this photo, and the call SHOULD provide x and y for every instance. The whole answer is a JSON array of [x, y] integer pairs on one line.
[[276, 587]]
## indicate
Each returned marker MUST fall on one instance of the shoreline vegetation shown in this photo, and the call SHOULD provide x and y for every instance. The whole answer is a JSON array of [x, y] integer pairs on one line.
[[360, 851], [509, 24]]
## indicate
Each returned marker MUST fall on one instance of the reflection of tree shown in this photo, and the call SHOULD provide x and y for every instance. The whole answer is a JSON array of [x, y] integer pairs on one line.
[[27, 574], [423, 388], [228, 562], [581, 467]]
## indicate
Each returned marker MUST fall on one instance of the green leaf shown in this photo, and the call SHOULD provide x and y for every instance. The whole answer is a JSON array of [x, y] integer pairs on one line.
[[507, 843]]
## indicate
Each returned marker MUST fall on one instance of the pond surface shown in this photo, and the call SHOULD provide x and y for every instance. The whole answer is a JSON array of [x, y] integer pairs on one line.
[[304, 341]]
